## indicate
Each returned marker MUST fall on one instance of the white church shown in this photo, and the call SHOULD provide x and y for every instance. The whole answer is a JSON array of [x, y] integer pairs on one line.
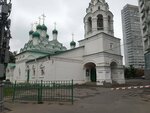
[[97, 59]]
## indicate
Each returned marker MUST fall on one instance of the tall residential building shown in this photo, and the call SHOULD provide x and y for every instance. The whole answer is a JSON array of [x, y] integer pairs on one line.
[[144, 7], [133, 46]]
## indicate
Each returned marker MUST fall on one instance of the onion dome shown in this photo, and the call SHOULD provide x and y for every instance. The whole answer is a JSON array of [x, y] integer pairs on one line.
[[73, 43], [36, 34], [44, 27], [31, 32], [47, 36], [55, 31], [39, 27]]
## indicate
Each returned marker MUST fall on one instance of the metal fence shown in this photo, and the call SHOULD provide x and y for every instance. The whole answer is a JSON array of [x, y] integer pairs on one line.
[[1, 97], [40, 91]]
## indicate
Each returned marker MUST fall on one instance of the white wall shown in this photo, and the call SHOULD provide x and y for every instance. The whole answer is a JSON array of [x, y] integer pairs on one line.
[[10, 74], [76, 53], [20, 68], [58, 69]]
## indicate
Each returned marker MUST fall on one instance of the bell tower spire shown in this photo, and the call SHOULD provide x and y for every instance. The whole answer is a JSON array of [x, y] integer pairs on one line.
[[98, 19], [55, 32]]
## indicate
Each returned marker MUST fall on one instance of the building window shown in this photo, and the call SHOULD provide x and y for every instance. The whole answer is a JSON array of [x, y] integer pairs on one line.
[[42, 70], [89, 24], [33, 69], [109, 23], [100, 22], [19, 72], [111, 45], [99, 8]]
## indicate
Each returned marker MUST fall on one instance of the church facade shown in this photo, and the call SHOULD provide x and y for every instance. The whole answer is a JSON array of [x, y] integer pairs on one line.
[[97, 59]]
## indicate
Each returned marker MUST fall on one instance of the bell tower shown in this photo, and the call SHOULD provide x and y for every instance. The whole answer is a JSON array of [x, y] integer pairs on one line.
[[98, 19]]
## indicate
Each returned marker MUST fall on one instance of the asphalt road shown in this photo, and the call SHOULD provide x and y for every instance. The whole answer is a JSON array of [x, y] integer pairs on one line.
[[92, 100]]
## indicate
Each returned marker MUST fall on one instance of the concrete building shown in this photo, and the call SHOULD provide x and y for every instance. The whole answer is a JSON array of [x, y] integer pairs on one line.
[[97, 59], [144, 7], [132, 36]]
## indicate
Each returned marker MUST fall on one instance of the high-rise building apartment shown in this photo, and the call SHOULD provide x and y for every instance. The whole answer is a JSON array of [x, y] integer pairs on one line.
[[133, 46], [144, 8]]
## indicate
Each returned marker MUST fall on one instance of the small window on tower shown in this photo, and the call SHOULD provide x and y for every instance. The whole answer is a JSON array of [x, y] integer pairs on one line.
[[99, 7], [111, 45]]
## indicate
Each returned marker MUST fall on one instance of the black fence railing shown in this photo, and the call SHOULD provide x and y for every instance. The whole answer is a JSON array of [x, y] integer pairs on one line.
[[40, 91]]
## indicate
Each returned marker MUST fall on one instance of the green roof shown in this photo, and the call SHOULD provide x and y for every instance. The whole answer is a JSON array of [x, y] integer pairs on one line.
[[44, 27], [11, 65], [39, 27], [73, 43], [31, 32], [36, 34], [47, 36], [55, 31]]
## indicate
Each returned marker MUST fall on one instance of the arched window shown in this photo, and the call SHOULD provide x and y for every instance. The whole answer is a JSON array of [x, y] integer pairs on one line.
[[42, 69], [100, 22], [109, 23], [89, 24], [99, 7], [33, 69]]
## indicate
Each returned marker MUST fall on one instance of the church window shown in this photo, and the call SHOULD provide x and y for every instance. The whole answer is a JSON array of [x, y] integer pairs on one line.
[[89, 24], [42, 69], [109, 23], [99, 8], [111, 45], [100, 22], [33, 69], [19, 72]]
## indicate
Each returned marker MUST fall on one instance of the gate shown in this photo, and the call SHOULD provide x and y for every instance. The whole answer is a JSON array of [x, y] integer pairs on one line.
[[40, 91]]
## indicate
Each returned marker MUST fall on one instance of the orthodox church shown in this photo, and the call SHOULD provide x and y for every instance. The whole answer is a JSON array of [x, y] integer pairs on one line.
[[97, 58]]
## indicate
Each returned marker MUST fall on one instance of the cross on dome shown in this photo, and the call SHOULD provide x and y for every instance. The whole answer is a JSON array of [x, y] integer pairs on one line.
[[72, 36], [55, 25], [39, 20], [43, 18]]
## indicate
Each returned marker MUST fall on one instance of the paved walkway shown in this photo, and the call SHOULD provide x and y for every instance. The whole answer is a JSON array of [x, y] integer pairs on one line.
[[93, 100]]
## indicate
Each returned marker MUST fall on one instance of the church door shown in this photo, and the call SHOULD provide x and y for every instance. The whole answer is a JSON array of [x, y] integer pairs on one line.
[[93, 74]]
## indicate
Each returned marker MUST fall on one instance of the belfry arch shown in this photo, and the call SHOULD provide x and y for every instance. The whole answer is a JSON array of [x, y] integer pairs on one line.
[[109, 23], [100, 22], [89, 25]]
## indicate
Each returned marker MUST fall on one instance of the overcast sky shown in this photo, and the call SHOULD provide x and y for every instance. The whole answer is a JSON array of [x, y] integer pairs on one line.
[[68, 14]]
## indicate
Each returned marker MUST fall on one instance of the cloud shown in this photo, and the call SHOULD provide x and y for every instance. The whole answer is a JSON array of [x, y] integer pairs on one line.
[[68, 14]]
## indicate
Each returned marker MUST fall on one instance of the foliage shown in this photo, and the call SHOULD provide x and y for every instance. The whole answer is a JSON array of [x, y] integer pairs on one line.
[[131, 72], [12, 56]]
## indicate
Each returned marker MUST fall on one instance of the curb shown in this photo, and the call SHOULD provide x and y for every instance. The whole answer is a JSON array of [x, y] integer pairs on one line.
[[131, 87]]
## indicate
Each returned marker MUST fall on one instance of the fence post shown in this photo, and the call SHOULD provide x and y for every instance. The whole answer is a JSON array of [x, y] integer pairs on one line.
[[1, 96], [40, 92], [14, 91], [72, 92]]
